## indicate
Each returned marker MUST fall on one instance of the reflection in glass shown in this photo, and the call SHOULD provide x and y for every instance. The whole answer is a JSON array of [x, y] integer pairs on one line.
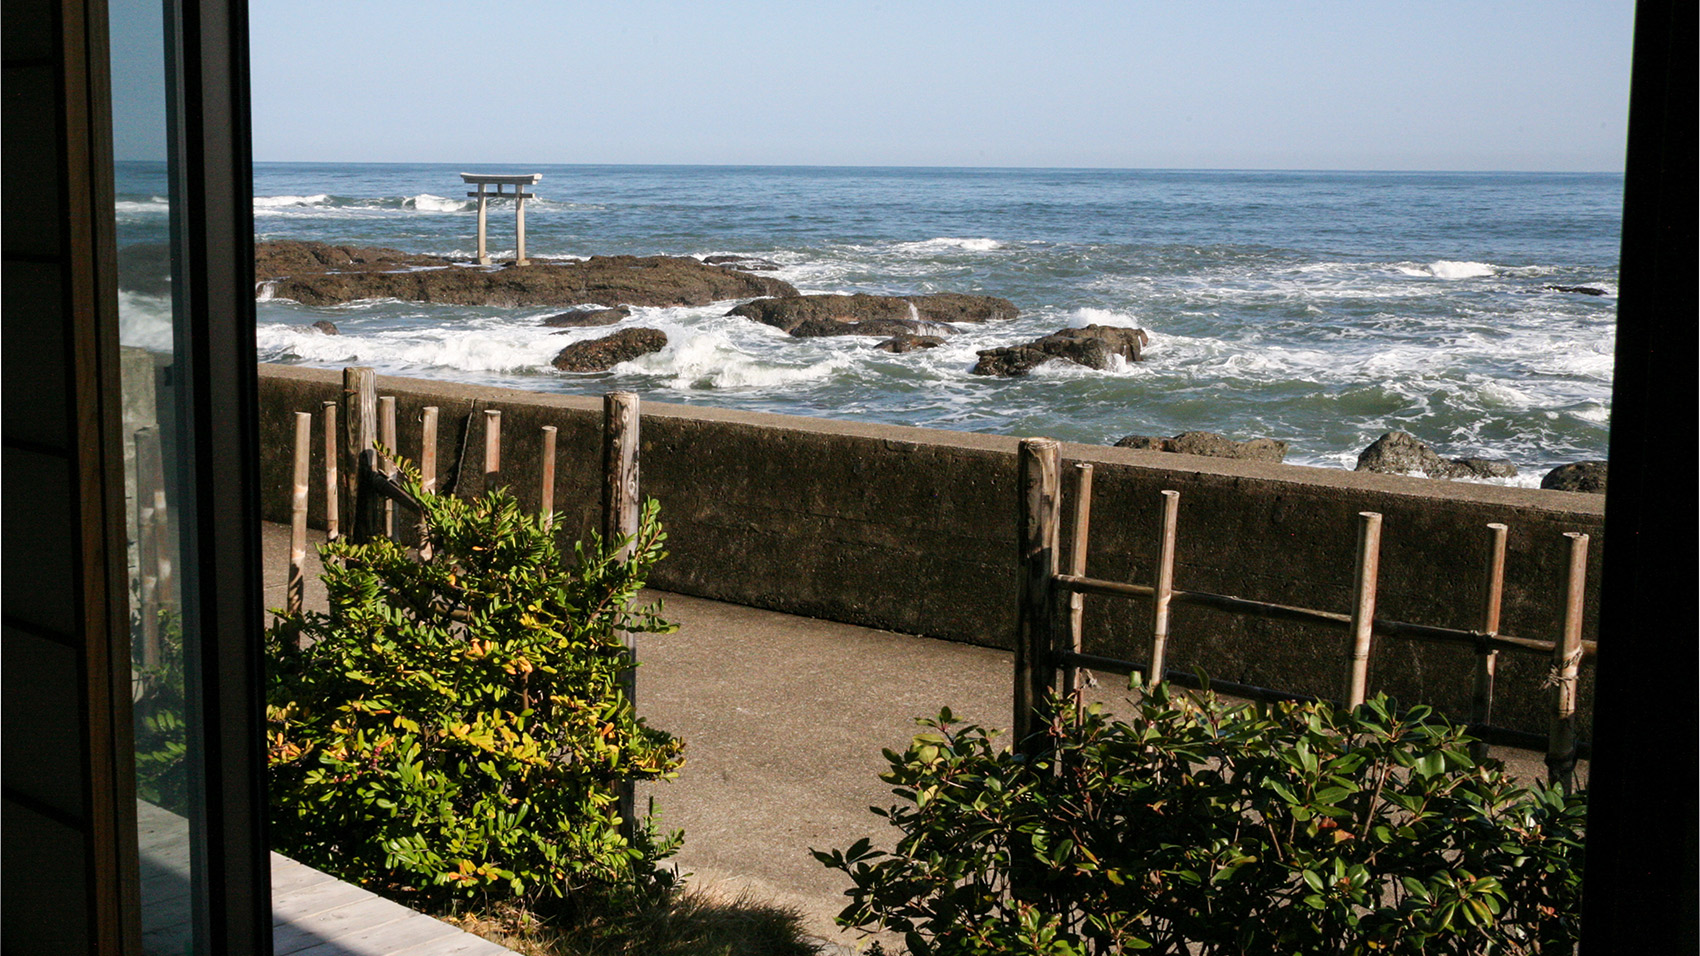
[[152, 484]]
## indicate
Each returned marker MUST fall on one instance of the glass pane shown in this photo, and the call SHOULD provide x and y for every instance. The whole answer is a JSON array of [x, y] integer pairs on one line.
[[152, 484]]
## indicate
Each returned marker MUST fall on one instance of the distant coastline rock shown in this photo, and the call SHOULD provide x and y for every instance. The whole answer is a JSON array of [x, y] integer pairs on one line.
[[741, 263], [600, 355], [585, 318], [1400, 453], [1092, 346], [1212, 445], [808, 316], [1588, 477], [907, 342], [314, 273]]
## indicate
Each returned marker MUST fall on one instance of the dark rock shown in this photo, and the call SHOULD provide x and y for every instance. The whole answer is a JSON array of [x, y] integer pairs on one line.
[[290, 257], [1482, 468], [583, 318], [1400, 453], [1211, 445], [326, 326], [319, 274], [1584, 476], [600, 355], [905, 342], [741, 263], [1578, 289], [861, 314], [816, 328], [1092, 346]]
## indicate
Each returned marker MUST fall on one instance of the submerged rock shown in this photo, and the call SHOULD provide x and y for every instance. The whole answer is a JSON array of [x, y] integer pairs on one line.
[[1092, 346], [320, 274], [1211, 445], [1588, 477], [1578, 289], [906, 342], [861, 314], [600, 355], [584, 318], [326, 326], [1400, 453], [742, 263]]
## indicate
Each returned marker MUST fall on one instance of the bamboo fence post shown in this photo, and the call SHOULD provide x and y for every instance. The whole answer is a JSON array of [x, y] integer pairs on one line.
[[329, 412], [1566, 662], [164, 584], [492, 448], [1164, 586], [1487, 659], [147, 542], [427, 471], [1363, 606], [295, 587], [359, 435], [1077, 565], [1038, 476], [546, 496], [386, 437], [620, 513]]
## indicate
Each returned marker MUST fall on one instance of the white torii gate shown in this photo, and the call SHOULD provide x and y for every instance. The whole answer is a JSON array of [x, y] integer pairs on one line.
[[519, 195]]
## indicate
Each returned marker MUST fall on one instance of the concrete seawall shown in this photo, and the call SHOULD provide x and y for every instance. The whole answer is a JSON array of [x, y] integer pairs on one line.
[[913, 530]]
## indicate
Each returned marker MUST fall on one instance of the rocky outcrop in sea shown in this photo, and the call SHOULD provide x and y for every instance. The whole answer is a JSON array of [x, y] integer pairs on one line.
[[320, 274], [807, 316], [1212, 445], [586, 318], [1092, 346], [600, 355], [1400, 453], [1588, 477]]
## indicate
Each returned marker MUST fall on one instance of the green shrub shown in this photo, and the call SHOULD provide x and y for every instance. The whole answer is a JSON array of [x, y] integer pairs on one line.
[[1228, 829], [455, 727]]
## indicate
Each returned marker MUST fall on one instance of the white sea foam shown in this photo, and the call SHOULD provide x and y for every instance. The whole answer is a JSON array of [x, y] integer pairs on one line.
[[153, 206], [144, 321], [944, 243], [711, 359], [1081, 318], [1448, 269], [282, 202], [425, 202]]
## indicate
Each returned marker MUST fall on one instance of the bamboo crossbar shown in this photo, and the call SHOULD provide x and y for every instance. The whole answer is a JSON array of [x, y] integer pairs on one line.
[[1078, 584], [1497, 736]]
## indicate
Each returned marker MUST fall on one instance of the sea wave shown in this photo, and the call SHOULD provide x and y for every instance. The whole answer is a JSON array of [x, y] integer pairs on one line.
[[946, 243], [1448, 269], [425, 202]]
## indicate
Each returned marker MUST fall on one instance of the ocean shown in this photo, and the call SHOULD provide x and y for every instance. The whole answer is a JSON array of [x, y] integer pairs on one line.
[[1319, 308]]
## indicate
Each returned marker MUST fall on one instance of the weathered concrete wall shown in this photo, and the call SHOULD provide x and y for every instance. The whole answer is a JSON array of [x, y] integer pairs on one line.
[[913, 530]]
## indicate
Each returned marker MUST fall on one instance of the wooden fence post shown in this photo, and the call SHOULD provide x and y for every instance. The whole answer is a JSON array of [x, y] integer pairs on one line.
[[147, 540], [1566, 662], [427, 471], [492, 448], [1077, 566], [1038, 476], [1363, 606], [546, 495], [386, 437], [359, 434], [295, 587], [620, 513], [1481, 703], [328, 411], [1163, 587]]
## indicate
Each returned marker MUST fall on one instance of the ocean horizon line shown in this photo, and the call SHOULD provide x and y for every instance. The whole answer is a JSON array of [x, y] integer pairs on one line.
[[470, 167]]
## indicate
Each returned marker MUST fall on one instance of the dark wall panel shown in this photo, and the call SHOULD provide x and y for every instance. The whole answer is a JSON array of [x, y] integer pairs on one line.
[[36, 404], [41, 698], [45, 892]]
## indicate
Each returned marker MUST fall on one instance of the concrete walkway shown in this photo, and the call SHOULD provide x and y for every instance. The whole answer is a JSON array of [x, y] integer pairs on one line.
[[784, 719]]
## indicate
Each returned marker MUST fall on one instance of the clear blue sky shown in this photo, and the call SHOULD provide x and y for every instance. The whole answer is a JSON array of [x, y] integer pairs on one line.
[[1351, 84]]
